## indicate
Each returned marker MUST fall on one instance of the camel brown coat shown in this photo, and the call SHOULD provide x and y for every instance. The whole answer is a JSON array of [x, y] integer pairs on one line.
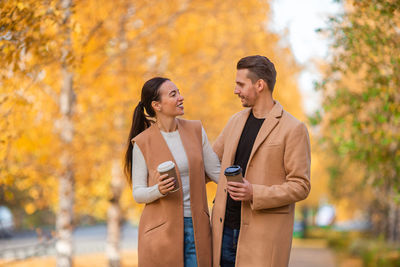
[[279, 171], [161, 241]]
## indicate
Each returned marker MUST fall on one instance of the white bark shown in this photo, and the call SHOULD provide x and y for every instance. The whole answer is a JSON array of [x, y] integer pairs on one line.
[[64, 224], [114, 213], [114, 216]]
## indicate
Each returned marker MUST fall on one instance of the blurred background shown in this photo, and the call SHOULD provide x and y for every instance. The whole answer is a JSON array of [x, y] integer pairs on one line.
[[71, 73]]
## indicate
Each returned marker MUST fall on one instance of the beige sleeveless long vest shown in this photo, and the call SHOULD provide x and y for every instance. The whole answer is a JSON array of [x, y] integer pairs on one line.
[[161, 224]]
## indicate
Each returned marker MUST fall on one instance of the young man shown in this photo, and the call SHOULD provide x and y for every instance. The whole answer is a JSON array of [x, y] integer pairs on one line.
[[252, 222]]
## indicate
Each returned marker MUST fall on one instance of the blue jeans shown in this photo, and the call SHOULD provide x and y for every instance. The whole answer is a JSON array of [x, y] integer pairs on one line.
[[229, 245], [189, 246]]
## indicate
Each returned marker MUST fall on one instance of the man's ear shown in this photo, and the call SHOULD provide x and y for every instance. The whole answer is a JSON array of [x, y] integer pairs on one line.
[[156, 105], [261, 85]]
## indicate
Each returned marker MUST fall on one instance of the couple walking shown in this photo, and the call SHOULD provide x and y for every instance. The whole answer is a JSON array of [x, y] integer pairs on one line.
[[252, 221]]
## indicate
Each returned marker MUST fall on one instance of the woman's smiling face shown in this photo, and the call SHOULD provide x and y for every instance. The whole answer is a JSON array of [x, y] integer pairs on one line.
[[171, 101]]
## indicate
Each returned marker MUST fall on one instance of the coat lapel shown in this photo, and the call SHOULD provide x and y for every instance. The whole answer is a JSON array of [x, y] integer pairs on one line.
[[268, 125], [235, 135]]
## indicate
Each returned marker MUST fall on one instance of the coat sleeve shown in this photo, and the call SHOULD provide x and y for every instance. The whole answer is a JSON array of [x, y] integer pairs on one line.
[[212, 164], [297, 161], [219, 144]]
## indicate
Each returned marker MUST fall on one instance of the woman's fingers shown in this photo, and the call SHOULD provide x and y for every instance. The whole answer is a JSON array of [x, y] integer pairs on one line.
[[162, 177], [167, 181], [166, 185]]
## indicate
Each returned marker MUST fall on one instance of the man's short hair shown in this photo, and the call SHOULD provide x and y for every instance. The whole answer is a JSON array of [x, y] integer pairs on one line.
[[259, 67]]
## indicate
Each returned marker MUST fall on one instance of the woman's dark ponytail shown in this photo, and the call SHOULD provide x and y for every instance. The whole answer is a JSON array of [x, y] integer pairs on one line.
[[140, 121]]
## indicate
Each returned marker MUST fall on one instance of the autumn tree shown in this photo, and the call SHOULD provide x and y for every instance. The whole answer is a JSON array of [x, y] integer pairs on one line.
[[66, 193], [361, 107], [94, 56], [23, 104], [32, 28]]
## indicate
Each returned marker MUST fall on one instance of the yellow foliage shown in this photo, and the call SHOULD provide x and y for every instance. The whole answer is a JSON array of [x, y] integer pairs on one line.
[[117, 46], [30, 208]]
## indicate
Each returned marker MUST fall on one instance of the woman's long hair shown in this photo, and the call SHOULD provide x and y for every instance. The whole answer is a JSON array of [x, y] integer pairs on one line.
[[150, 93]]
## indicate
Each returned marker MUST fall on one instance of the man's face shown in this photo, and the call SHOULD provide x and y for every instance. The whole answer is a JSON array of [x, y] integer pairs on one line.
[[245, 89]]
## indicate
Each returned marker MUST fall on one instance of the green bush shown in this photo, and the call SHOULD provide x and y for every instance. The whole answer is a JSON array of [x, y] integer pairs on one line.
[[376, 252]]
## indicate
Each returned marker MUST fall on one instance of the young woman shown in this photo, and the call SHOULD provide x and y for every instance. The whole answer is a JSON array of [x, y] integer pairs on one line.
[[174, 229]]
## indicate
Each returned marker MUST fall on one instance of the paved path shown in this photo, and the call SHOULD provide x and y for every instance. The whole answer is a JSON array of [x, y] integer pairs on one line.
[[305, 253], [312, 257], [86, 240]]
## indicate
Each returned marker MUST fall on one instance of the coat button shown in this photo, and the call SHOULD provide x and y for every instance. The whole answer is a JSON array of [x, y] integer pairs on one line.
[[220, 219]]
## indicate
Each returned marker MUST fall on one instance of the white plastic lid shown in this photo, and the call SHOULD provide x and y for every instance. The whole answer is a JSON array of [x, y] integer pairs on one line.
[[165, 166]]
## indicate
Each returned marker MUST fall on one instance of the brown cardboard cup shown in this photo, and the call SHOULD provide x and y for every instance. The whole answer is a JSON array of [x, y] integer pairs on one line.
[[234, 174], [168, 167]]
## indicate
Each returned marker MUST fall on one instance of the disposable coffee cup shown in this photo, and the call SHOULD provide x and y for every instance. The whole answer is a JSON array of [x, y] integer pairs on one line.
[[234, 174], [168, 167]]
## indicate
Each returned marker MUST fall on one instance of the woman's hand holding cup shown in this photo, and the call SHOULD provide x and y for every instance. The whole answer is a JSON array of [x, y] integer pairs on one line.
[[165, 185], [167, 181]]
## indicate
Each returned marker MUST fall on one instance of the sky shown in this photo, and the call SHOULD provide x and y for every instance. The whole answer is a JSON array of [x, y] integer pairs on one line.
[[297, 21]]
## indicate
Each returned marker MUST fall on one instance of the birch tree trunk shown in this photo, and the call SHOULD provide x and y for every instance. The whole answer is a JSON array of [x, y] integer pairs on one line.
[[114, 213], [114, 216], [64, 224]]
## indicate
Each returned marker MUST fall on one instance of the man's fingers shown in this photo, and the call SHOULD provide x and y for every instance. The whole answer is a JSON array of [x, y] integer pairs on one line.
[[235, 184], [238, 195], [240, 191], [236, 189], [237, 198]]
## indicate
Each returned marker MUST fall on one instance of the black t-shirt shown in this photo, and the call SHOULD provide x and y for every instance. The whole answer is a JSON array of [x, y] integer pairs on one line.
[[243, 151]]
